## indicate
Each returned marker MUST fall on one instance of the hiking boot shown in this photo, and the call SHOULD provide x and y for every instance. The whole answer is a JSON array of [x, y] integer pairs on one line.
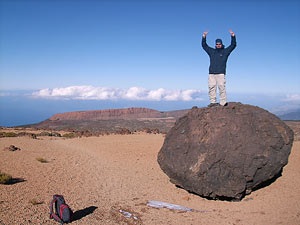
[[213, 104], [226, 104]]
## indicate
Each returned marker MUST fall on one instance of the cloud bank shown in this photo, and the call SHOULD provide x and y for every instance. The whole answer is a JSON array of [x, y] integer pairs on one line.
[[104, 93], [292, 98]]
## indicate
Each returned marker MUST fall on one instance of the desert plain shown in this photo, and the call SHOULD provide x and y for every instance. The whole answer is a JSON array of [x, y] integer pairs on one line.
[[110, 179]]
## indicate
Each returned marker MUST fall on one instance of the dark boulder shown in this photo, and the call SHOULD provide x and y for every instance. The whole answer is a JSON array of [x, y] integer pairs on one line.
[[225, 152]]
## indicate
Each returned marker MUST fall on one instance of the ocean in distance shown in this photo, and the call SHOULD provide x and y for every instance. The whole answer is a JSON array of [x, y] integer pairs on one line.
[[21, 109]]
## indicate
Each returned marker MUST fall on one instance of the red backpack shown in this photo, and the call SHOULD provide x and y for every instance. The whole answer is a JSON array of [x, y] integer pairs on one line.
[[59, 210]]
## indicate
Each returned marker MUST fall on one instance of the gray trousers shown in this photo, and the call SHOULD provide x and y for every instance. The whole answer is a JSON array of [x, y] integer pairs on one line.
[[214, 81]]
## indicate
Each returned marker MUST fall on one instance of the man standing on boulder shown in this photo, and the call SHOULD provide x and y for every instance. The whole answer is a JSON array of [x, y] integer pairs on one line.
[[217, 69]]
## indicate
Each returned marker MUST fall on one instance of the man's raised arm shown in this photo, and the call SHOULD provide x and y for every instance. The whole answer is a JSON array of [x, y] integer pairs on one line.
[[204, 44], [233, 41]]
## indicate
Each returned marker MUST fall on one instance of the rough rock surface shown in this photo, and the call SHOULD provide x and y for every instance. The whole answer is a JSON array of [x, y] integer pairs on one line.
[[225, 152]]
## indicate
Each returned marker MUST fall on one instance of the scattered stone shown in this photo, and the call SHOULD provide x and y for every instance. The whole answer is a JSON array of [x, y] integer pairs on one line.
[[31, 135], [159, 204], [147, 130], [155, 131], [226, 152], [12, 148], [151, 131], [128, 214], [186, 198]]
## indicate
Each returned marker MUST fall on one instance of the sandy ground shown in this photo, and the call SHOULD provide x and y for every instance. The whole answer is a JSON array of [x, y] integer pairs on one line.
[[99, 176]]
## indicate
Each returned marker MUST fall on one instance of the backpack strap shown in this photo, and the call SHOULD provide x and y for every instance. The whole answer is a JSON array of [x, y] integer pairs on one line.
[[52, 214]]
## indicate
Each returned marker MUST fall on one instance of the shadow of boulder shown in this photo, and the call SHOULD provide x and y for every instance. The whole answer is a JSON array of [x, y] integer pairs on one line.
[[243, 195]]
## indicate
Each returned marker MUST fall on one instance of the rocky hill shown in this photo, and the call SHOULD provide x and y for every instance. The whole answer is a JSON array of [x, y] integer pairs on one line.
[[112, 120], [111, 114]]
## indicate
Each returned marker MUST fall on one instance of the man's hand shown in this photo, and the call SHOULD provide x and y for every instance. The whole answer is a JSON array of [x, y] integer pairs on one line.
[[205, 33], [231, 32]]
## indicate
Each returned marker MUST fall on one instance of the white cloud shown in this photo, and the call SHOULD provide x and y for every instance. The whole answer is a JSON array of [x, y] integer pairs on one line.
[[43, 93], [134, 93], [173, 95], [188, 95], [292, 98], [157, 94], [104, 93]]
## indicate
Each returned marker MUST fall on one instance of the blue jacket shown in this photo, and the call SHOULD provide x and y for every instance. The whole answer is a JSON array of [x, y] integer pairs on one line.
[[218, 56]]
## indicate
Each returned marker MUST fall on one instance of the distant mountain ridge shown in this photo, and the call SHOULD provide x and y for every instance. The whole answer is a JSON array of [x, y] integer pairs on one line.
[[107, 114], [112, 120], [291, 115]]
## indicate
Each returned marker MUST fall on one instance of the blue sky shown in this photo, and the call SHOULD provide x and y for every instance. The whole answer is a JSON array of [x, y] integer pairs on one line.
[[146, 50]]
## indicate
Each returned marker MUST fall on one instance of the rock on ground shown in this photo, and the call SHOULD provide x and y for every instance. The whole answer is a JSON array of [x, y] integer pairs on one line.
[[12, 148], [225, 152]]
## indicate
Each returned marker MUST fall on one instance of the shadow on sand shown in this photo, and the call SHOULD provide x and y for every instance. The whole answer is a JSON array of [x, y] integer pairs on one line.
[[15, 181], [224, 198], [83, 212]]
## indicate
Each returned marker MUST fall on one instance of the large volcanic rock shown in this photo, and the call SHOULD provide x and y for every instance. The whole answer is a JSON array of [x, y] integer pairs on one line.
[[225, 152]]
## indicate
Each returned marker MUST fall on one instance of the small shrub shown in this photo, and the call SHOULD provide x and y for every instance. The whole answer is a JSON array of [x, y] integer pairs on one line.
[[11, 134], [69, 135], [50, 134], [31, 135], [86, 133], [55, 134], [44, 133], [8, 134], [123, 131], [5, 178], [42, 160]]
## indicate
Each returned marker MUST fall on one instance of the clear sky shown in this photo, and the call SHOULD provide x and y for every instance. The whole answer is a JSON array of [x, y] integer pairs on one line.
[[148, 44], [130, 49]]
